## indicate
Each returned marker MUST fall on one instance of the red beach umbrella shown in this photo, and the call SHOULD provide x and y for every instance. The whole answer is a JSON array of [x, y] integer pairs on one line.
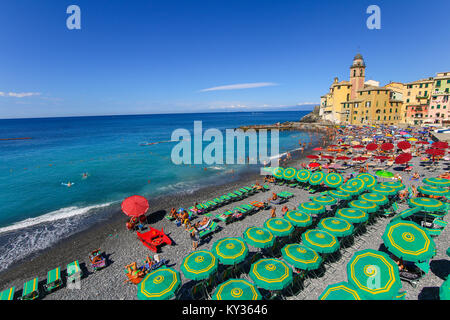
[[135, 206], [404, 145], [345, 145], [372, 147], [314, 165], [312, 156], [358, 146], [435, 152], [328, 157], [317, 149], [387, 146], [360, 159], [403, 158], [381, 157], [440, 145], [343, 158]]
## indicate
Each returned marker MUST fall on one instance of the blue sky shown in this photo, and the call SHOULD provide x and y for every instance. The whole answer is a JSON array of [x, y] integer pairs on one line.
[[160, 56]]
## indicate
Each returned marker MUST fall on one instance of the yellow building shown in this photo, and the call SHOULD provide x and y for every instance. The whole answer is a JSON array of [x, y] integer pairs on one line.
[[360, 102]]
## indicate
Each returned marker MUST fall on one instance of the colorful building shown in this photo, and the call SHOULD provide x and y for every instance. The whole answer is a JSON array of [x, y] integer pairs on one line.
[[364, 102]]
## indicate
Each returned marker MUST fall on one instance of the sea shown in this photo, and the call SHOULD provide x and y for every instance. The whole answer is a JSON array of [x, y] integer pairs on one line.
[[107, 158]]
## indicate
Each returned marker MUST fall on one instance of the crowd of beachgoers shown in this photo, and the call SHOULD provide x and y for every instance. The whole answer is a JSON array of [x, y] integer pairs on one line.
[[268, 238]]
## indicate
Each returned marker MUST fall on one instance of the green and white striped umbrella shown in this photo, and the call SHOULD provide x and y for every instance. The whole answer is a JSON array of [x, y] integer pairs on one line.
[[236, 289], [397, 185], [333, 180], [341, 291], [303, 175], [289, 173], [356, 183], [368, 179], [438, 182], [378, 199], [298, 218], [352, 215], [160, 284], [340, 194], [199, 265], [271, 274], [325, 200], [278, 172], [374, 274], [279, 227], [433, 191], [301, 257], [336, 226], [409, 241], [427, 204], [259, 237], [444, 290], [363, 205], [320, 241], [230, 251], [316, 178], [350, 190], [384, 190], [312, 208]]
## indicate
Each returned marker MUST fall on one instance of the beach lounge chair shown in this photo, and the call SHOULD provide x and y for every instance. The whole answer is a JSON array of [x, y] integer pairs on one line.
[[433, 232], [31, 290], [286, 194], [441, 224], [260, 205], [233, 196], [74, 272], [219, 201], [390, 212], [420, 269], [239, 194], [198, 291], [242, 210], [212, 227], [7, 294], [225, 217], [401, 295], [251, 209], [53, 280]]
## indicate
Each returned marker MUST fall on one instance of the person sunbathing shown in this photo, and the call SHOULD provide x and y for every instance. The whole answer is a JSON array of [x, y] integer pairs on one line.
[[415, 176], [274, 197], [284, 210], [133, 270], [173, 213], [257, 186], [204, 221]]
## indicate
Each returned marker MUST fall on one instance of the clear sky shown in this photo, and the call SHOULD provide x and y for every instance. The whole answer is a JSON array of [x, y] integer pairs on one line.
[[205, 55]]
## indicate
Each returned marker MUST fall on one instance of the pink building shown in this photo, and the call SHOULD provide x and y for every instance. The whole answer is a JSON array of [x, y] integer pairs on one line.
[[439, 109]]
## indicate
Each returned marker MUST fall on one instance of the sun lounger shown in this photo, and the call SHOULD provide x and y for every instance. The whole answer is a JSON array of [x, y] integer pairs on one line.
[[225, 217], [441, 224], [210, 230], [249, 207], [259, 205], [239, 194], [233, 196], [74, 272], [420, 269], [280, 200], [7, 294], [53, 280], [434, 232], [30, 290]]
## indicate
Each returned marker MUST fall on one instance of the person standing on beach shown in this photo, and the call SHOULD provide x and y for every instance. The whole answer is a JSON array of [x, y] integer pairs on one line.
[[272, 212], [194, 238]]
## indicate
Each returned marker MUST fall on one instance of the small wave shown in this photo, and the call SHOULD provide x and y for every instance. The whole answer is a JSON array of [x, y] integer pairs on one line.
[[63, 213]]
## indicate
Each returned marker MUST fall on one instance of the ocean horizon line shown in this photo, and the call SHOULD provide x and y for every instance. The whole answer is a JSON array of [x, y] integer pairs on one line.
[[151, 114]]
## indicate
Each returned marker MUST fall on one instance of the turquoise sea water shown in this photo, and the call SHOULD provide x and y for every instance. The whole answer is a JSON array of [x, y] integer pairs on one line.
[[37, 210]]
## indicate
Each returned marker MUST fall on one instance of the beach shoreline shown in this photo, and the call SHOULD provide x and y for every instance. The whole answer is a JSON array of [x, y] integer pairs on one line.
[[77, 246]]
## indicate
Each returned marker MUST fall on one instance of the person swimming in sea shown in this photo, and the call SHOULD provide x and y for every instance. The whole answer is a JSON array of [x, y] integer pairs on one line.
[[85, 175]]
